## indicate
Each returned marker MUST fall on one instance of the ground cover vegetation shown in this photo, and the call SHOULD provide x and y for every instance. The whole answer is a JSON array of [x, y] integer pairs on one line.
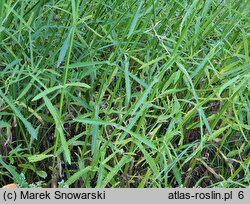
[[125, 93]]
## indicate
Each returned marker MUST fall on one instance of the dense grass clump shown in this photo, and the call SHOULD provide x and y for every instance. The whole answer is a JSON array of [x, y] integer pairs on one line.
[[126, 93]]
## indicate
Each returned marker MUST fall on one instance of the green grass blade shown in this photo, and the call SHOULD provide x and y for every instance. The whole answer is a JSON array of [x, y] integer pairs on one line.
[[125, 159], [32, 131], [59, 128]]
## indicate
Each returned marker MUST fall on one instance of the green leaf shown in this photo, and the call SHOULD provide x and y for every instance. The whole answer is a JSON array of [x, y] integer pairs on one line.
[[95, 133], [32, 131], [39, 157], [17, 178], [58, 122], [149, 159], [227, 84], [218, 133], [125, 159], [42, 174], [86, 64], [135, 20], [100, 122], [127, 82], [64, 48], [4, 125], [78, 174], [50, 90]]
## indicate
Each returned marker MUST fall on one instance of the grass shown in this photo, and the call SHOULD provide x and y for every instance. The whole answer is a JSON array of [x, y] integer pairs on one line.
[[125, 93]]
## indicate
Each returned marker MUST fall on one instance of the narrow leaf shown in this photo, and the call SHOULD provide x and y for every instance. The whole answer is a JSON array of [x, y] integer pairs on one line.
[[135, 20], [64, 48], [77, 175], [50, 90], [32, 131], [57, 120], [125, 159], [39, 157]]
